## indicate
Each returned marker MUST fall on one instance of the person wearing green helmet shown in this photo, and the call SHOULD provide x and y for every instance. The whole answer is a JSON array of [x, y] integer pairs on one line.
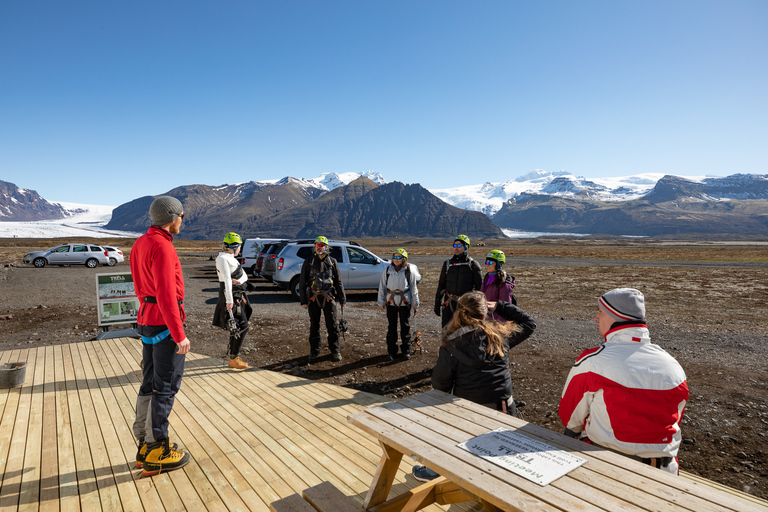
[[232, 298], [320, 287], [460, 274], [497, 284], [398, 293]]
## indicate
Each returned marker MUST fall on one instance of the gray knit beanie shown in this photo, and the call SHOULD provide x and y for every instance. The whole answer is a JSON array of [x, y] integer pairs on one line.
[[164, 210], [623, 304]]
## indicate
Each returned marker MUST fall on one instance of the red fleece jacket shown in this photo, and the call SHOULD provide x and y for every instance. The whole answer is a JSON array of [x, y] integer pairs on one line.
[[156, 271]]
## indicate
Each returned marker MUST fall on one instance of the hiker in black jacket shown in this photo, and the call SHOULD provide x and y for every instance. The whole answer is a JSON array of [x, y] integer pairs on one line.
[[459, 275], [319, 288]]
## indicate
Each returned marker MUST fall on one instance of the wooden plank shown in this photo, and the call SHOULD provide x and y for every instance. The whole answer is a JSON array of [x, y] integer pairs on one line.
[[326, 497], [10, 409], [49, 461], [68, 492], [14, 468], [292, 503], [29, 496]]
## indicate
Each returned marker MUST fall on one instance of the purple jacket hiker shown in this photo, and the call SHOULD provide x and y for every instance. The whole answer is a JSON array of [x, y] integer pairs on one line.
[[495, 293]]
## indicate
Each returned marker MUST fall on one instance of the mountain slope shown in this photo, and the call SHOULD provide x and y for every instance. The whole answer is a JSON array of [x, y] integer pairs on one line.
[[23, 205], [362, 209]]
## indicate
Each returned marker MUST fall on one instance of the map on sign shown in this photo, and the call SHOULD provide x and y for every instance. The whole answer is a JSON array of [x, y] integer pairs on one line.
[[117, 300], [530, 458]]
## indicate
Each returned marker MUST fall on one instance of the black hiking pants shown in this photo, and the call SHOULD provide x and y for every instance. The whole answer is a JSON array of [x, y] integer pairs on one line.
[[328, 309], [403, 314], [163, 369]]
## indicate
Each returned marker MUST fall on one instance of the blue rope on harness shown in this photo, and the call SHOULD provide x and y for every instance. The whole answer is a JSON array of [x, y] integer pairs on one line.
[[156, 339]]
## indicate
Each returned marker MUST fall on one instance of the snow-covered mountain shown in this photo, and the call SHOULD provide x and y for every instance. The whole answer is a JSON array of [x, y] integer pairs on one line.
[[329, 180], [489, 197]]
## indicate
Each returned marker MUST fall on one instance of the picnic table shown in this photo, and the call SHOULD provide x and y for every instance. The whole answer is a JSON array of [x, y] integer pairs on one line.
[[429, 426]]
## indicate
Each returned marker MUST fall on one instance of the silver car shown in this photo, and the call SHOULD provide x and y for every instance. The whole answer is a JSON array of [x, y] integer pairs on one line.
[[360, 269], [69, 254]]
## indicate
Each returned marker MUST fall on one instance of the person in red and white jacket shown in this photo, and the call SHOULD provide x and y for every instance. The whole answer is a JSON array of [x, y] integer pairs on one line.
[[627, 395]]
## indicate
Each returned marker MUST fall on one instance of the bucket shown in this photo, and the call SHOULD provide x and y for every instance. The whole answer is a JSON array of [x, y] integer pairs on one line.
[[12, 374]]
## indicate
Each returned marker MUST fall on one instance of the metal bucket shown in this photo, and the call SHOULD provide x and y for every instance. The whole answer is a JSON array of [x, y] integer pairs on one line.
[[12, 374]]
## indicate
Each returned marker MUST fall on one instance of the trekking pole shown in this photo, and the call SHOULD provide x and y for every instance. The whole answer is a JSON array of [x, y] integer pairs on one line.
[[417, 338], [343, 324]]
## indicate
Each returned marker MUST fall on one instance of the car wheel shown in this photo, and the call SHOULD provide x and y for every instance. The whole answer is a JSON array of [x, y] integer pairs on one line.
[[112, 262], [39, 262], [294, 288], [92, 263]]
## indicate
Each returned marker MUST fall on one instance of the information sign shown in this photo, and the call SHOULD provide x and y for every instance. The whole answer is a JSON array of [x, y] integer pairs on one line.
[[117, 300], [530, 458]]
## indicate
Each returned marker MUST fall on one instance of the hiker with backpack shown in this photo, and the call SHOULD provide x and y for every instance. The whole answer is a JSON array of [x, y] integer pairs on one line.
[[497, 284], [398, 294], [320, 287], [473, 361], [233, 306], [460, 274]]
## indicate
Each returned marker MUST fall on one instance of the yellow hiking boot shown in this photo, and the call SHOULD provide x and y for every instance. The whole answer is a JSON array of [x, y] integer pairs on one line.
[[238, 364], [161, 457], [141, 455]]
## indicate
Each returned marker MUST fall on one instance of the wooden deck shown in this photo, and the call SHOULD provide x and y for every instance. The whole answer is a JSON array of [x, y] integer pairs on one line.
[[66, 440]]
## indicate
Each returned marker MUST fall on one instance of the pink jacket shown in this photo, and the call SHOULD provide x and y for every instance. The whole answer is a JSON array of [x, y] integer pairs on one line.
[[495, 293]]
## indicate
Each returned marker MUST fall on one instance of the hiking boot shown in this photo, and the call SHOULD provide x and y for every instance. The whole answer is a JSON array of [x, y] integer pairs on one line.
[[161, 457], [142, 453], [390, 357], [312, 358], [337, 356], [424, 474], [406, 355], [238, 364]]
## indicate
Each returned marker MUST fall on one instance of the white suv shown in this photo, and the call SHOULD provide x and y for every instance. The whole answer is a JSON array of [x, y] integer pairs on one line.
[[360, 269]]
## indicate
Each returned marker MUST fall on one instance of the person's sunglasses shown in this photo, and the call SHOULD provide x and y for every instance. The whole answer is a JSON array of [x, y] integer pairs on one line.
[[398, 257], [181, 215], [458, 244], [319, 245], [490, 262]]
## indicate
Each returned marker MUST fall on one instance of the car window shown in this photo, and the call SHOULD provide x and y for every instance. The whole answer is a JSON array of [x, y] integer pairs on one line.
[[63, 248], [358, 256], [304, 252], [80, 248], [96, 249], [336, 254]]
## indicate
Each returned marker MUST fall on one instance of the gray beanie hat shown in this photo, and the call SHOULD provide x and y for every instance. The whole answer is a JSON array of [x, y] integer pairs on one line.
[[623, 304], [164, 210]]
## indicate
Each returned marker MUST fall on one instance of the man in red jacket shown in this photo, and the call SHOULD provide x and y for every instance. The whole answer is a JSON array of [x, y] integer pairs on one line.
[[159, 284]]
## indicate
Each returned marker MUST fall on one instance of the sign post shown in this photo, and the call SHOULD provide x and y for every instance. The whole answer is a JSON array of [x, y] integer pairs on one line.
[[117, 300]]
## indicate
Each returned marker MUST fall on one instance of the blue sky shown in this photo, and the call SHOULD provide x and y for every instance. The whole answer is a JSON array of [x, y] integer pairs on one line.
[[103, 102]]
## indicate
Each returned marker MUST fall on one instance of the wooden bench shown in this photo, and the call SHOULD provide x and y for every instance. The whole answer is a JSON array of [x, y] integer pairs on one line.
[[324, 497]]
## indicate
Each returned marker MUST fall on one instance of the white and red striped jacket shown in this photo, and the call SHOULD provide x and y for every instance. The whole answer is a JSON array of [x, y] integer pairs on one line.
[[627, 395]]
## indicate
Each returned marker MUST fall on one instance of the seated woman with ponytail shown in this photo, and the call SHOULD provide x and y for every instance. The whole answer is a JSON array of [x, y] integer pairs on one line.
[[473, 362]]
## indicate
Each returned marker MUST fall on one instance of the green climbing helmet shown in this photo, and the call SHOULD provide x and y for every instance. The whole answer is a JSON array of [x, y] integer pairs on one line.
[[401, 251], [321, 240], [233, 240], [498, 256], [463, 239]]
